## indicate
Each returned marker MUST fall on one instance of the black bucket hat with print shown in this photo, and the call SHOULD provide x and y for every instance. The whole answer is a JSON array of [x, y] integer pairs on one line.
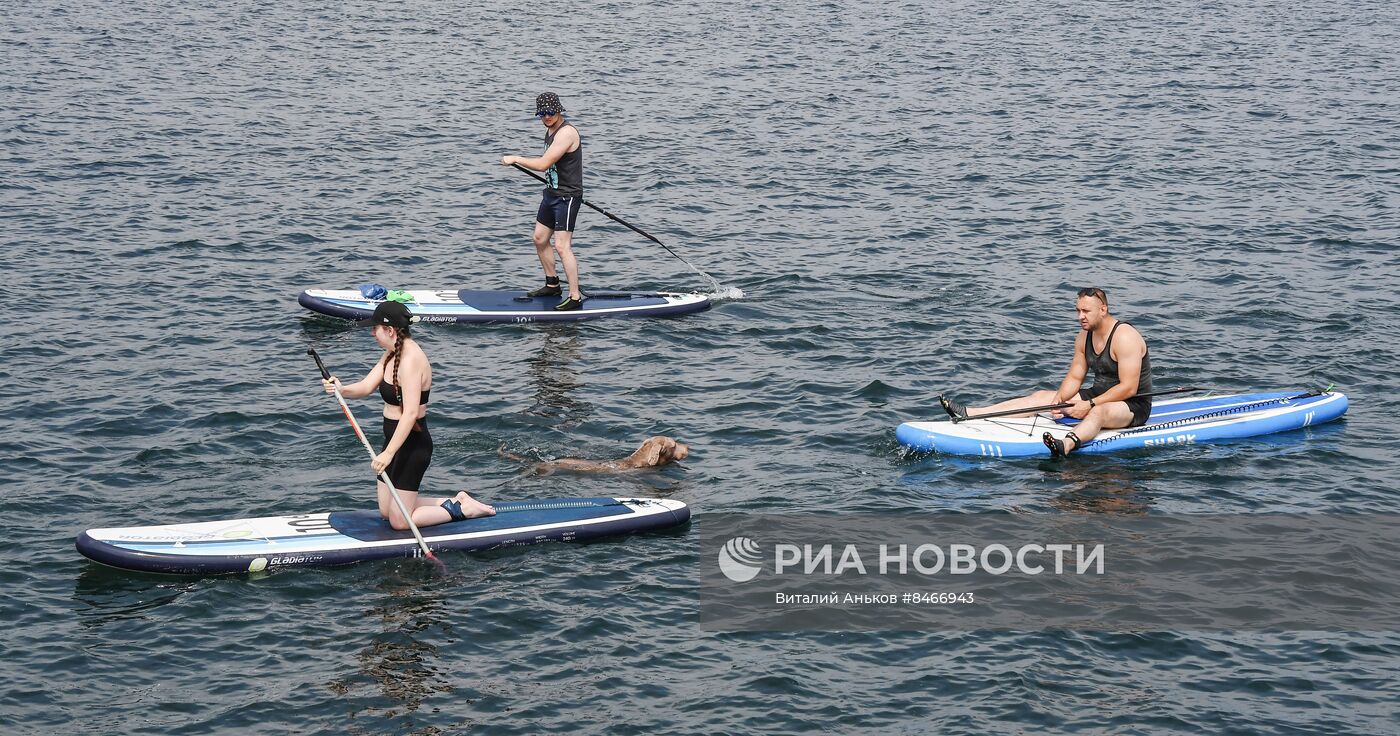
[[548, 104]]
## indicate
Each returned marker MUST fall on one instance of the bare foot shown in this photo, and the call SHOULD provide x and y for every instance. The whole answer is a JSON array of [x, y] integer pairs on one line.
[[471, 507]]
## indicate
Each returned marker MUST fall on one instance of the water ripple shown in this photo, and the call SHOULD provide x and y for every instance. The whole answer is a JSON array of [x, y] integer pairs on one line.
[[906, 196]]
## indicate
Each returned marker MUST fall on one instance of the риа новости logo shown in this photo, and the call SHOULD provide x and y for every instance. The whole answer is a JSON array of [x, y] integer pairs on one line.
[[739, 559]]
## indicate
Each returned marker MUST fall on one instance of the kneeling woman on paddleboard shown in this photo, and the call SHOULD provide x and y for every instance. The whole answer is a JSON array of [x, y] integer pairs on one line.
[[403, 378]]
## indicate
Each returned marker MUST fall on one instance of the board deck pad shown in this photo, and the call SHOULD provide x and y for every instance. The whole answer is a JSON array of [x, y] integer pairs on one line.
[[342, 537], [1172, 422], [472, 305]]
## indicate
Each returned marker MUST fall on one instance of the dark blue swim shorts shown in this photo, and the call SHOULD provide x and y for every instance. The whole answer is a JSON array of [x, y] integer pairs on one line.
[[559, 213]]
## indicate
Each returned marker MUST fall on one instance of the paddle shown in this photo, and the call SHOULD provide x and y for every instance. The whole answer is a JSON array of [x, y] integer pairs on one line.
[[382, 475], [1049, 407], [715, 284]]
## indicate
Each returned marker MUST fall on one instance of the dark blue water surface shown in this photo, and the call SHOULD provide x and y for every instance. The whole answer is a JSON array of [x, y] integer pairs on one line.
[[907, 194]]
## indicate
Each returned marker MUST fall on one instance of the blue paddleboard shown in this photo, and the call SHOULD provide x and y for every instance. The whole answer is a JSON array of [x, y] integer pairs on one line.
[[1172, 422]]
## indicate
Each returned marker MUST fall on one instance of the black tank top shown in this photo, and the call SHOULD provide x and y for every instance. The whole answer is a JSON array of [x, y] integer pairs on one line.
[[1105, 368], [565, 177]]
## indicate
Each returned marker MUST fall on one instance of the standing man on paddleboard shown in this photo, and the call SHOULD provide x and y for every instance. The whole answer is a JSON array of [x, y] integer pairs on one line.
[[562, 164], [1116, 353]]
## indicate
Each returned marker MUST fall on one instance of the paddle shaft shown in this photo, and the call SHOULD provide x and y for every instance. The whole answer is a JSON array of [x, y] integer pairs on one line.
[[383, 476], [1065, 405], [627, 225]]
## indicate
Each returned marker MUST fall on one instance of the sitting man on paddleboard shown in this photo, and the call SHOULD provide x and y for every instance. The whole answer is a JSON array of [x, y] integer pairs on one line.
[[654, 452], [1116, 353], [562, 164]]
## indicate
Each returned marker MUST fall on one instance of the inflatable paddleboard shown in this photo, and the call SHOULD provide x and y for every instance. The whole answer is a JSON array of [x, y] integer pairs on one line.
[[467, 305], [1172, 422], [253, 545]]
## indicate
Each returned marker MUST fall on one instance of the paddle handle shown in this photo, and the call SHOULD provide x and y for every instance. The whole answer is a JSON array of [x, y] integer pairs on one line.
[[324, 373], [383, 476]]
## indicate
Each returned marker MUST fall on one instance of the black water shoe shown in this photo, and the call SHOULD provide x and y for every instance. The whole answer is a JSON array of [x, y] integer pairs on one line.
[[1057, 447], [955, 410], [546, 290], [568, 305]]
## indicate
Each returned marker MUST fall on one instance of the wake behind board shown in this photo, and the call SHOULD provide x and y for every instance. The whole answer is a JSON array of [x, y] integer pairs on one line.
[[253, 545], [1172, 422], [469, 305]]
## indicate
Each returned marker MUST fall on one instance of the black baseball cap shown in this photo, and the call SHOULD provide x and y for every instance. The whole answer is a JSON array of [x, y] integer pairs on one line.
[[393, 314]]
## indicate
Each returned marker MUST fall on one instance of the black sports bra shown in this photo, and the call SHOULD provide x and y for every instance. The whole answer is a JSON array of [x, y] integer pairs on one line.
[[391, 395]]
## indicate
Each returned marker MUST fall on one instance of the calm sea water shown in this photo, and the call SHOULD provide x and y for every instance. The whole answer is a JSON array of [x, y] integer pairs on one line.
[[908, 195]]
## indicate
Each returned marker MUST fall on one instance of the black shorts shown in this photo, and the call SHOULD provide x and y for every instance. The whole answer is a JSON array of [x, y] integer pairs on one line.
[[1141, 406], [411, 461], [559, 214]]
